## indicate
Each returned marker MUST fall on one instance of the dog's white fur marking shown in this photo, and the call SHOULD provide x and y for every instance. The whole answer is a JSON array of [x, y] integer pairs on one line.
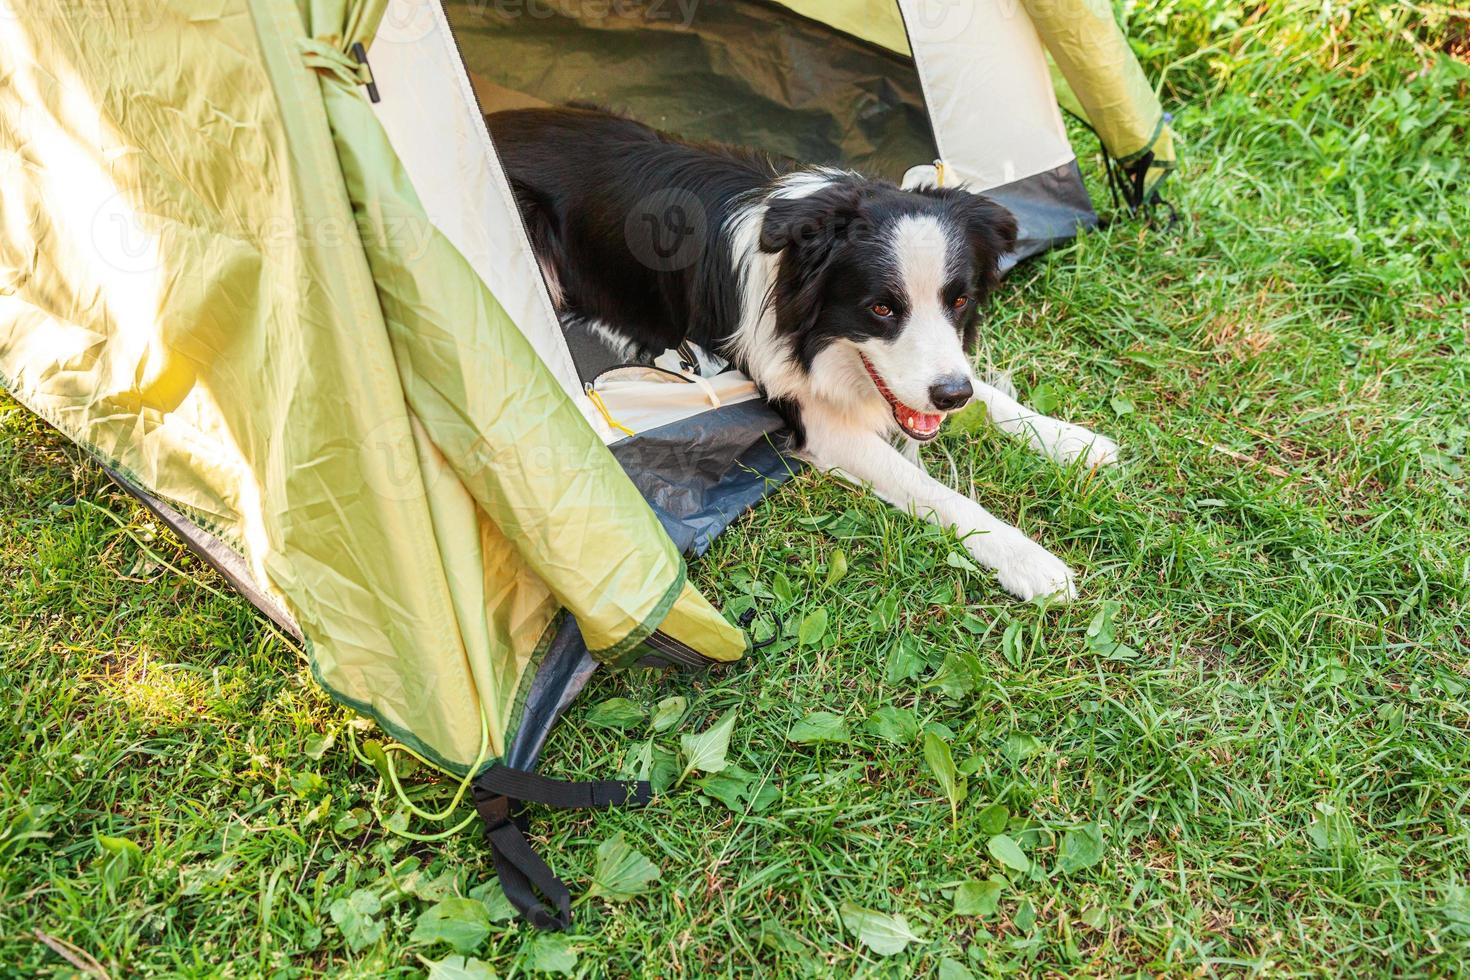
[[909, 450], [767, 355], [1061, 441], [1025, 568], [553, 283], [847, 436], [928, 348], [848, 423]]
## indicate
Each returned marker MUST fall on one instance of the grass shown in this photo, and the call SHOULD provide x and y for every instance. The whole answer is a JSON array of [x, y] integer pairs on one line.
[[1272, 748]]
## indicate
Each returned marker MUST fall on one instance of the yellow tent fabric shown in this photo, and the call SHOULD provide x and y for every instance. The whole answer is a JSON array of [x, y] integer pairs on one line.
[[214, 276], [1098, 78], [878, 22]]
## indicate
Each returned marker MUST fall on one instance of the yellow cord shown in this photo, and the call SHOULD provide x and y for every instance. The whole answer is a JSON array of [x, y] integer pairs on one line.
[[938, 173], [464, 784], [426, 838], [596, 399], [408, 804], [352, 743]]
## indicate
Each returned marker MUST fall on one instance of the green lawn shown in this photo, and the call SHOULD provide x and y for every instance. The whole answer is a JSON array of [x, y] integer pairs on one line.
[[1266, 768]]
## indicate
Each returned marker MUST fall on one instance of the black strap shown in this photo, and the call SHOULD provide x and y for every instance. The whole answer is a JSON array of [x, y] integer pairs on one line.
[[748, 617], [523, 873], [497, 793], [530, 787]]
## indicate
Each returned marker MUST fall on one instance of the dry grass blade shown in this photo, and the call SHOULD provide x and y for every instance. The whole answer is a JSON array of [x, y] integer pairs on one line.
[[74, 955]]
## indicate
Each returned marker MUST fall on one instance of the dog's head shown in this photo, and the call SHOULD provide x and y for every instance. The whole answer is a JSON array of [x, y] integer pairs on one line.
[[888, 283]]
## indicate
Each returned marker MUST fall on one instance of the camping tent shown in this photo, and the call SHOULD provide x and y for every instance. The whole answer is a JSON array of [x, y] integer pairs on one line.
[[260, 259]]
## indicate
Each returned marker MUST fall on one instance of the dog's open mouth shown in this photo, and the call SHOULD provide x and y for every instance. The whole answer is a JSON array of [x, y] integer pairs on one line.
[[922, 426]]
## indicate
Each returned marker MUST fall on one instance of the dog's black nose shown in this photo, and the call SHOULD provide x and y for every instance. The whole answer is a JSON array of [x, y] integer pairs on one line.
[[951, 392]]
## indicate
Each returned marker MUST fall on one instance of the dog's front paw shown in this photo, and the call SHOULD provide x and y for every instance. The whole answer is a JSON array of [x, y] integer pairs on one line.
[[1067, 443], [1031, 572]]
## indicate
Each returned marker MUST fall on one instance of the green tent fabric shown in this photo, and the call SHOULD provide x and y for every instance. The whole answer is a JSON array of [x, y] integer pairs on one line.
[[277, 342]]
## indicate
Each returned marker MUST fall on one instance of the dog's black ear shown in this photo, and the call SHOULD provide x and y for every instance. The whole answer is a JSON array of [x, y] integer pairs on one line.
[[817, 220], [808, 232], [991, 229]]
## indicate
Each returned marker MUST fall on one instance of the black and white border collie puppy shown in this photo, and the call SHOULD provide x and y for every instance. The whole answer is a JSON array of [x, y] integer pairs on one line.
[[850, 302]]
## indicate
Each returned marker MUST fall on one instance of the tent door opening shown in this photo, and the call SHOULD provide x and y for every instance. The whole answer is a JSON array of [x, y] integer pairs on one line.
[[744, 71]]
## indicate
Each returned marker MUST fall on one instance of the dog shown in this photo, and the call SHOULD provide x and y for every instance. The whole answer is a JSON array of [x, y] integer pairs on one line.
[[852, 303]]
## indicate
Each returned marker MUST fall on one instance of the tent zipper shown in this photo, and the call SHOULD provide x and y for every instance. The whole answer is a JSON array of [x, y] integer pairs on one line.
[[675, 653]]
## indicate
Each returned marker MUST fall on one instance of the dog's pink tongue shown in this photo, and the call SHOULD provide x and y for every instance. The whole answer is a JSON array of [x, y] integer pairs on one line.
[[921, 422]]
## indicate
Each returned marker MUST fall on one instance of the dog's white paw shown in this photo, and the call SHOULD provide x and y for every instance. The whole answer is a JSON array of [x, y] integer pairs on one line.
[[1028, 571], [1066, 443]]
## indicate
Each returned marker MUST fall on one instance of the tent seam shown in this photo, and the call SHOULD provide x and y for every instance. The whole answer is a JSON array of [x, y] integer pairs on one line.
[[502, 188], [527, 681], [651, 622]]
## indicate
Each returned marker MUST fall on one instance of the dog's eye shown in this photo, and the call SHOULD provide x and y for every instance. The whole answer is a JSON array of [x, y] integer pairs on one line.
[[881, 309], [960, 302]]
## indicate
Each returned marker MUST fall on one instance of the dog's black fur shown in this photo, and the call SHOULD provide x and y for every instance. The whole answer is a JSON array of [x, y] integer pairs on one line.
[[579, 173]]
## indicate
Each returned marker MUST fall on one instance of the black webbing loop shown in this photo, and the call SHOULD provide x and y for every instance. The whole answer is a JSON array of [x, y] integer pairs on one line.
[[497, 792], [520, 868], [530, 787]]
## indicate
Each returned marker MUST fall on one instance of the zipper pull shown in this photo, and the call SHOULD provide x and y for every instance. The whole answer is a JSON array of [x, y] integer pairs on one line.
[[596, 400]]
